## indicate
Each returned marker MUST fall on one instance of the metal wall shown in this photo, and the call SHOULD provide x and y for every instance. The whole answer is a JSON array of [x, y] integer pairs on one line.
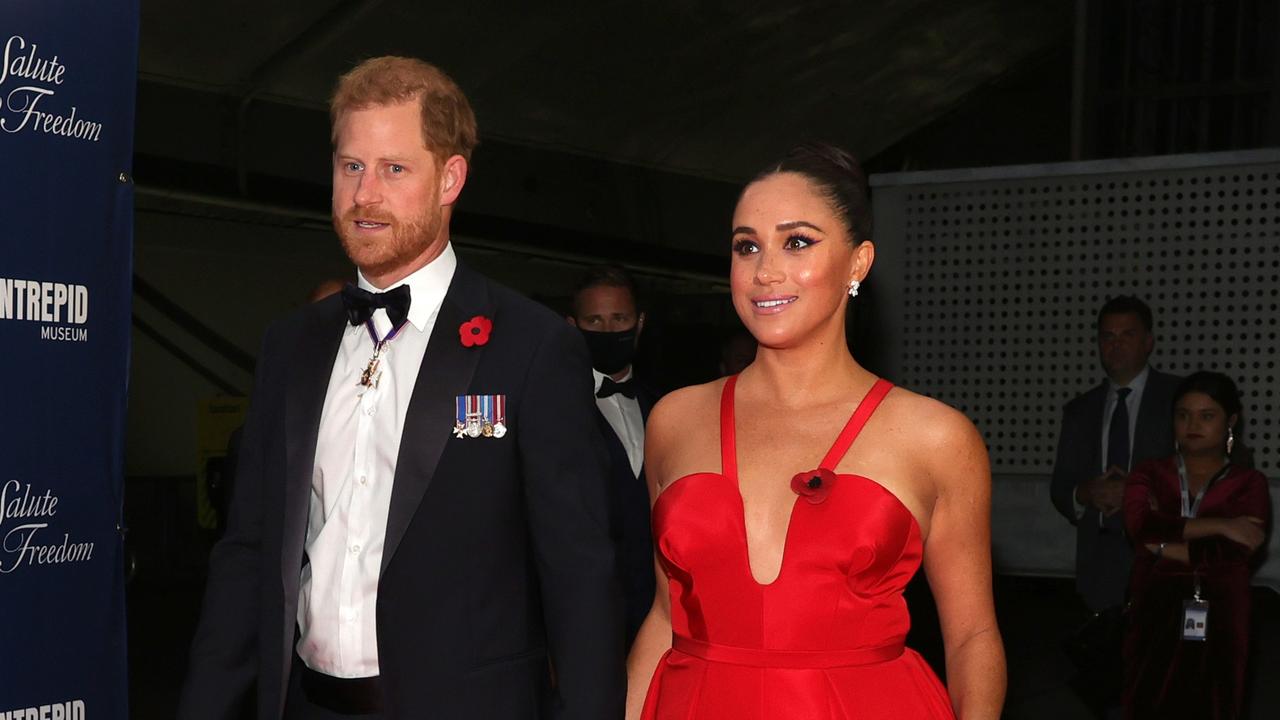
[[994, 277]]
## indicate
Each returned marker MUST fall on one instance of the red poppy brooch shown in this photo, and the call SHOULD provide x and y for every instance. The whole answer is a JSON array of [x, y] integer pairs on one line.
[[813, 485], [475, 332]]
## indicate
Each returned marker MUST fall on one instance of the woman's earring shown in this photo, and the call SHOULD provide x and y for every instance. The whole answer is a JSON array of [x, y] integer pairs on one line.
[[853, 288], [1231, 440]]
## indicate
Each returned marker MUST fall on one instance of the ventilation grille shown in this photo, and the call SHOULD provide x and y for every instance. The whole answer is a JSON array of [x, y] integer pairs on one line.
[[1003, 278]]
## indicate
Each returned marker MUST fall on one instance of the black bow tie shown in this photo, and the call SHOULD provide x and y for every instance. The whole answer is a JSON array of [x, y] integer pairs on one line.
[[608, 387], [361, 303]]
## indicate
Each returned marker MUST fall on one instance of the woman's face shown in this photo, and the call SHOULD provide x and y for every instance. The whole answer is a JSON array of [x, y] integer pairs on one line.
[[1200, 424], [792, 261]]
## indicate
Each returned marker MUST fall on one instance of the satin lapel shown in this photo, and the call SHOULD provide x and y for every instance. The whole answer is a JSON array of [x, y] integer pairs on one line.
[[312, 364], [445, 373], [616, 448]]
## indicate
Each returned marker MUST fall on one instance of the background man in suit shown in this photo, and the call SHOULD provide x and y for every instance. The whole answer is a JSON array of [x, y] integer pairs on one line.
[[605, 310], [1122, 422], [420, 520]]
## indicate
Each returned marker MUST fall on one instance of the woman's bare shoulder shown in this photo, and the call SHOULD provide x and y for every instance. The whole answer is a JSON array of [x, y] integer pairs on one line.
[[679, 408], [932, 424]]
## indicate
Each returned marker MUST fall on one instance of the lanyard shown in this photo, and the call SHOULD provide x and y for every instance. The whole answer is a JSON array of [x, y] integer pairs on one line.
[[1189, 508]]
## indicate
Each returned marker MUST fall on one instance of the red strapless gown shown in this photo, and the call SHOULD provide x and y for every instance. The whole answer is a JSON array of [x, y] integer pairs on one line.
[[824, 641]]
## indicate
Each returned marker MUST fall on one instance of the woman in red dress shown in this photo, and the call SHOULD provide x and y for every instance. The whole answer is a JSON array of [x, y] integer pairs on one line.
[[1197, 520], [793, 502]]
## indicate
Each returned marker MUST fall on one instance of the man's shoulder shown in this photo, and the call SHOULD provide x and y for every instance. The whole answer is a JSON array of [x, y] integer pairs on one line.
[[1086, 398], [1162, 382], [309, 318], [514, 305]]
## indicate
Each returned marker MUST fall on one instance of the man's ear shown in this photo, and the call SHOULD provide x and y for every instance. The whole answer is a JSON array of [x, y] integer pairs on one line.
[[453, 175], [572, 320], [639, 325]]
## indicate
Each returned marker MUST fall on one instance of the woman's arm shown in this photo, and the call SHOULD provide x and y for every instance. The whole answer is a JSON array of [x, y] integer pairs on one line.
[[1234, 539], [651, 643], [1144, 520], [957, 559], [1177, 552], [654, 638]]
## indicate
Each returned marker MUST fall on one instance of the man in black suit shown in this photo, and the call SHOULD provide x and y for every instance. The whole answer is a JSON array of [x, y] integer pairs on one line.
[[420, 524], [605, 310], [1124, 421]]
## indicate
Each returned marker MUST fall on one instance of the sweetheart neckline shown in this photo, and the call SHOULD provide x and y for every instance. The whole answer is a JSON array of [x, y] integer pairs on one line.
[[791, 516]]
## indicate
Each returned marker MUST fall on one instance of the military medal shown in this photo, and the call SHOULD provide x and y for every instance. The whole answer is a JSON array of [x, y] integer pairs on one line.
[[371, 374], [480, 416], [499, 415]]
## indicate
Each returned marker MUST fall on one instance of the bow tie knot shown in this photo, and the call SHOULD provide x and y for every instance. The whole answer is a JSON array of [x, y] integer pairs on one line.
[[626, 388], [361, 304]]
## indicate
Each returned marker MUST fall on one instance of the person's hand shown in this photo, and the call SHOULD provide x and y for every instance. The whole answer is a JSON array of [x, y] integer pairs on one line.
[[1107, 490], [1246, 530], [1151, 502]]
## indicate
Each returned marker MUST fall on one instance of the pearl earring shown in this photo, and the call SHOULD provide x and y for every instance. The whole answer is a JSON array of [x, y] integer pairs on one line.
[[853, 288], [1231, 440]]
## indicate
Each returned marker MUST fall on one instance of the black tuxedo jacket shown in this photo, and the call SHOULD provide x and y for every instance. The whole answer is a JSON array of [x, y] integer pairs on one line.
[[629, 513], [497, 551], [1103, 555]]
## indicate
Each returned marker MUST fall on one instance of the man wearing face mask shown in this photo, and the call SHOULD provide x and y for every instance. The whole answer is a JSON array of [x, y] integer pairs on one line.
[[604, 310]]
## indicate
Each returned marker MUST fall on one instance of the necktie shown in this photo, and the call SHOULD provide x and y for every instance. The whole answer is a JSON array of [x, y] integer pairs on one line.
[[608, 387], [1118, 433], [361, 303]]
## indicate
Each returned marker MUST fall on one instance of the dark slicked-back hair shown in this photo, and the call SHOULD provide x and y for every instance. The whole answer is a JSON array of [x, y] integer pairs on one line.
[[1223, 390], [1214, 384], [1127, 305], [606, 276], [838, 177]]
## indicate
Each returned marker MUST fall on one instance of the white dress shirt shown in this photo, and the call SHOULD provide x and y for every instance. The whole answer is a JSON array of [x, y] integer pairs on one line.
[[355, 464], [1132, 403], [624, 416]]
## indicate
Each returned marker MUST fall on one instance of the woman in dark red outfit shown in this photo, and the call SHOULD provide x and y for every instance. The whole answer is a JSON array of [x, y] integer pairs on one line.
[[1204, 537]]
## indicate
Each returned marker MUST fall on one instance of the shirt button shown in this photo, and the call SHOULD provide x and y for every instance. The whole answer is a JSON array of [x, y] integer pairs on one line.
[[364, 480], [355, 549], [370, 410], [349, 615]]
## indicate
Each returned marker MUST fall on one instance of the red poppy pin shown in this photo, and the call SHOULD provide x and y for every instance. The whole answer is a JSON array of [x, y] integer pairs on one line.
[[813, 485], [475, 332]]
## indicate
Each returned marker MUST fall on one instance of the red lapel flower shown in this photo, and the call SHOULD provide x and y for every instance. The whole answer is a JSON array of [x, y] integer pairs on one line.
[[813, 485], [475, 332]]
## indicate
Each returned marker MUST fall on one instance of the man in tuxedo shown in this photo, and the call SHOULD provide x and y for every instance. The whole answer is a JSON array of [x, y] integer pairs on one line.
[[605, 311], [1124, 421], [420, 523]]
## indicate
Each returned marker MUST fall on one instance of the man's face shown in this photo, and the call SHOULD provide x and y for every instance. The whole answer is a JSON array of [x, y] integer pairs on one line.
[[605, 308], [1124, 345], [390, 192]]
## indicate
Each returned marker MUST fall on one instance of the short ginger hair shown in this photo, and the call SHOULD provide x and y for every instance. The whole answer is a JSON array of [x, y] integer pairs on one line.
[[448, 123]]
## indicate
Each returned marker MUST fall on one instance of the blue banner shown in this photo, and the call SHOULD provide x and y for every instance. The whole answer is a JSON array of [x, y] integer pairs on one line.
[[67, 87]]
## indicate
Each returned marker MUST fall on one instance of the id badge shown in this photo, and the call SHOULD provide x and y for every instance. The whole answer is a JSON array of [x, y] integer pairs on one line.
[[1195, 619]]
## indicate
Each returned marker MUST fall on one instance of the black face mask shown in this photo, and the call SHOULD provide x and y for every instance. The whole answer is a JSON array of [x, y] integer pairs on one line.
[[611, 351]]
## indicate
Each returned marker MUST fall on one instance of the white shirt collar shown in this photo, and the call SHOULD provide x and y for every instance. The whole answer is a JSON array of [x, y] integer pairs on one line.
[[599, 376], [1137, 385], [427, 286]]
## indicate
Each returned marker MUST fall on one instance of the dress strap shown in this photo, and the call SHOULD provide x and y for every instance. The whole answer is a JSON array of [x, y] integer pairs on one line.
[[860, 417], [728, 444]]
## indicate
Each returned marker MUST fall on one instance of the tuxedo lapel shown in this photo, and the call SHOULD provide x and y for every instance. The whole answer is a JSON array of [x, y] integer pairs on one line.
[[312, 365], [445, 373]]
